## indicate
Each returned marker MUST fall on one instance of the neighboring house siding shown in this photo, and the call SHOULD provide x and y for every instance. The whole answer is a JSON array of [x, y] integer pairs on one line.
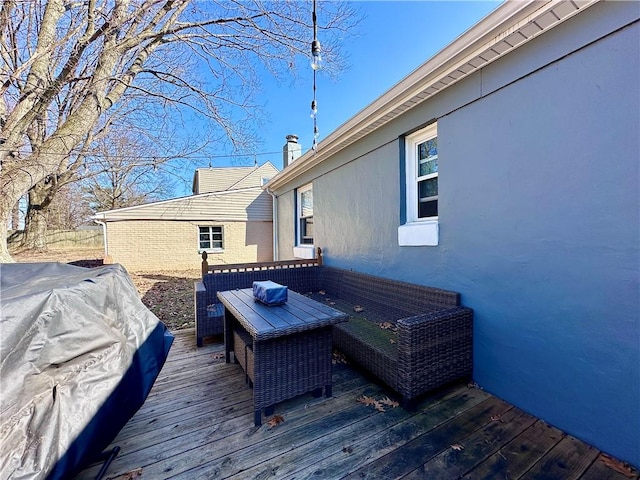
[[254, 179], [225, 178], [250, 204], [156, 245], [539, 221], [218, 179]]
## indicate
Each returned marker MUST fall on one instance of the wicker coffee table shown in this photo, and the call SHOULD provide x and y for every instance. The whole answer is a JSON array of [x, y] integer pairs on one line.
[[284, 350]]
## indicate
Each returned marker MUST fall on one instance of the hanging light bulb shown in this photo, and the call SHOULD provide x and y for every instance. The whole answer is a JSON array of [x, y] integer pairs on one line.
[[316, 58], [314, 109]]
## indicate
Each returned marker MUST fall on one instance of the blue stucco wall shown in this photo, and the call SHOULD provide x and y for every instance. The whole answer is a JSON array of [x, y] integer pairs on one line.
[[539, 221]]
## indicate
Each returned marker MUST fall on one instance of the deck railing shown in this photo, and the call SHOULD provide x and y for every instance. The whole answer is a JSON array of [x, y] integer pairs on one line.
[[255, 266]]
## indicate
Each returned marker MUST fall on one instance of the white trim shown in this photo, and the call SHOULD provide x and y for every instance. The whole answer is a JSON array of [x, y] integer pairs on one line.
[[304, 251], [211, 249], [508, 27], [305, 188], [419, 234], [411, 167]]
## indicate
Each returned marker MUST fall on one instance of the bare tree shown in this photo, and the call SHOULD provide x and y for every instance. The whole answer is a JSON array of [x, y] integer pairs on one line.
[[67, 64], [122, 171]]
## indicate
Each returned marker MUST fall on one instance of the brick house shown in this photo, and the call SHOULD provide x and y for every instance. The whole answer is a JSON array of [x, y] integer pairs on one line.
[[229, 216]]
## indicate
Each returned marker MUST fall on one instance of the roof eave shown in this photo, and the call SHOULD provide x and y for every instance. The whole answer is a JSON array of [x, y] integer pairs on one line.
[[508, 27]]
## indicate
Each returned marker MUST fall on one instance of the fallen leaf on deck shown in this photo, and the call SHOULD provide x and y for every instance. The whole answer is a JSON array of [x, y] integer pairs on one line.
[[366, 400], [378, 406], [338, 357], [347, 449], [617, 465], [275, 421], [386, 326], [358, 309], [457, 447], [473, 385], [332, 303], [217, 355], [392, 341], [322, 292], [129, 475], [496, 418], [390, 403]]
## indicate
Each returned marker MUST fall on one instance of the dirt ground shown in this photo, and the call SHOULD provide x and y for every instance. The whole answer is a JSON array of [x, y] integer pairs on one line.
[[167, 293]]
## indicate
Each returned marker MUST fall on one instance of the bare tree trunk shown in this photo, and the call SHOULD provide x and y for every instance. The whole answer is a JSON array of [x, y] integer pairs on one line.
[[35, 226], [7, 202], [5, 257], [15, 217]]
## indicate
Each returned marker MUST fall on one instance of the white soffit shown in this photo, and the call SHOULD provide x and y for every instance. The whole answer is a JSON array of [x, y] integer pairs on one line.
[[511, 25]]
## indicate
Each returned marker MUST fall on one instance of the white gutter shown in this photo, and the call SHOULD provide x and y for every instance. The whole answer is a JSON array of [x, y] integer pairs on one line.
[[511, 25], [104, 235], [274, 203]]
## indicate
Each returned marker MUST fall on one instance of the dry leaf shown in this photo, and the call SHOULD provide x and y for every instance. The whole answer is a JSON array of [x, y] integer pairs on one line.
[[338, 357], [130, 475], [473, 385], [366, 400], [322, 292], [275, 421], [617, 465], [389, 403], [358, 309], [332, 303], [378, 406], [496, 418], [218, 355], [392, 341], [457, 447], [386, 326], [347, 449]]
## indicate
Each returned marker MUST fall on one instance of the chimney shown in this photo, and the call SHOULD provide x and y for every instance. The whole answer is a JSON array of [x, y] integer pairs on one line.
[[291, 150]]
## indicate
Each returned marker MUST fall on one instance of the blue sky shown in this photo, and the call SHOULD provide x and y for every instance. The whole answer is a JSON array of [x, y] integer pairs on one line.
[[392, 40]]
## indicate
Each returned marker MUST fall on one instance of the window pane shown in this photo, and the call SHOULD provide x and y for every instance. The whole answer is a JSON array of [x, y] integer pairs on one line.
[[428, 149], [428, 188], [306, 203], [306, 230], [428, 157], [427, 167], [428, 209]]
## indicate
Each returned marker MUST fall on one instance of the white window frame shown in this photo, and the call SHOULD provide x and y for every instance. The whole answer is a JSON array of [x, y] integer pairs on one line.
[[417, 231], [211, 247], [302, 250]]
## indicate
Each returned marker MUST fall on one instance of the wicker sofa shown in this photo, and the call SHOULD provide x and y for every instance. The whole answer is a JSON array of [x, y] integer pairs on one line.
[[413, 338]]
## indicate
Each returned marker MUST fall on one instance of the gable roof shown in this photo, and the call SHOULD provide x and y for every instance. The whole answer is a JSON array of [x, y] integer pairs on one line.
[[245, 204], [219, 179], [508, 27]]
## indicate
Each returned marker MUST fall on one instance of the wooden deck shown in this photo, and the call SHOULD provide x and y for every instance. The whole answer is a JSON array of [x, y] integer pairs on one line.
[[198, 423]]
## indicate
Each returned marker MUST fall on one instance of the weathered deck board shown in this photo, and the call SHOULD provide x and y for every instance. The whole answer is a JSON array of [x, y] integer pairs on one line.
[[516, 457], [198, 423]]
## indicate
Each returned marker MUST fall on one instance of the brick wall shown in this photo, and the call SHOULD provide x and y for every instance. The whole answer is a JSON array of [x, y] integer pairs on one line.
[[153, 245]]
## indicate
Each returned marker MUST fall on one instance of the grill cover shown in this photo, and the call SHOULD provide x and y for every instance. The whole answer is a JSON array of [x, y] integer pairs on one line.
[[79, 353]]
